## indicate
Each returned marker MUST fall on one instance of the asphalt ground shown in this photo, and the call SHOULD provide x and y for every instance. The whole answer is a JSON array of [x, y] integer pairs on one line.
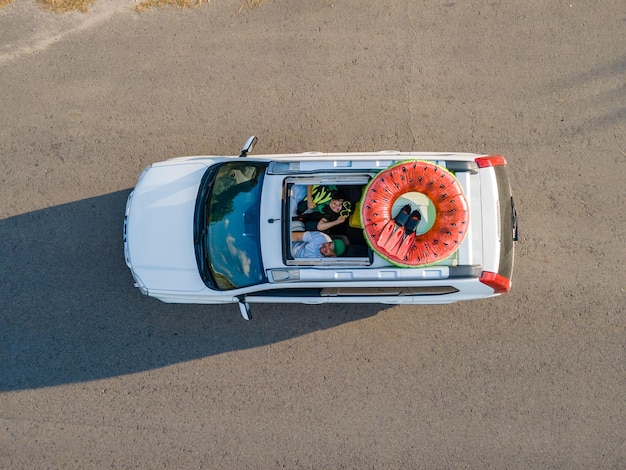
[[94, 375]]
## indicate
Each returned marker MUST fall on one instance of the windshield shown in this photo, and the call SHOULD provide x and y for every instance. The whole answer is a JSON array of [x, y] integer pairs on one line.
[[227, 229]]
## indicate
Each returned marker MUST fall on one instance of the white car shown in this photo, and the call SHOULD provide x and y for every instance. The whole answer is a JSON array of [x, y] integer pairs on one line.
[[219, 229]]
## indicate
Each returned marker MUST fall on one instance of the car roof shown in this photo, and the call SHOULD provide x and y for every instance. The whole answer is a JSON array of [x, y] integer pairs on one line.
[[354, 170]]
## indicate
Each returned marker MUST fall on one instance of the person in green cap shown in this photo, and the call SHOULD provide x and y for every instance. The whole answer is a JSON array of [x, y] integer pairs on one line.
[[314, 244]]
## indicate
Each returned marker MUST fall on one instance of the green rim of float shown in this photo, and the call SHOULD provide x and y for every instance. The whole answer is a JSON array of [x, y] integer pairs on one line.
[[445, 193]]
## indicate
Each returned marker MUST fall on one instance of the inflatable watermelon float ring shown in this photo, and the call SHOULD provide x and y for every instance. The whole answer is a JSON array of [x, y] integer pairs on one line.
[[414, 213]]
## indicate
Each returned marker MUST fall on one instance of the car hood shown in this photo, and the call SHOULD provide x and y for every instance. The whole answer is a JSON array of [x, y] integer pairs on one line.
[[159, 232]]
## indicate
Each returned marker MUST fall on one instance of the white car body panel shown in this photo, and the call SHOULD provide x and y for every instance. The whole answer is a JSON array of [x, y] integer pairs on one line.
[[270, 219], [161, 235]]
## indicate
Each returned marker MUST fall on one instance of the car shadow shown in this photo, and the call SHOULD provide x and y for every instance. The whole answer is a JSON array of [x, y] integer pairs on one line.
[[69, 311]]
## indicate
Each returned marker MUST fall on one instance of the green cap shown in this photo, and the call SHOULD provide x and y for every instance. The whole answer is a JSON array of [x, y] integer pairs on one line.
[[340, 247]]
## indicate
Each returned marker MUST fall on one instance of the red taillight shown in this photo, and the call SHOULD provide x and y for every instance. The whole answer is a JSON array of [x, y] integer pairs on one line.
[[498, 283], [490, 160]]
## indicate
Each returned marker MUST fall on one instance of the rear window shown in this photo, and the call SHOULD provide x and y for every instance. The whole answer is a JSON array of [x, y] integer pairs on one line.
[[507, 222]]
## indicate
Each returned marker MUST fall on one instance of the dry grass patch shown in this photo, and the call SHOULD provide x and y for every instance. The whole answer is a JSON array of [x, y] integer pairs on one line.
[[63, 6], [4, 3]]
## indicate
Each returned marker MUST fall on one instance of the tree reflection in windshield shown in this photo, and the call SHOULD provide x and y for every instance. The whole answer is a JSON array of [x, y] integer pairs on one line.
[[233, 225]]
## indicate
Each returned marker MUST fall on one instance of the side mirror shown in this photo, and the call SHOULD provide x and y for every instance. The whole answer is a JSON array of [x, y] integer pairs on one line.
[[244, 308], [248, 146]]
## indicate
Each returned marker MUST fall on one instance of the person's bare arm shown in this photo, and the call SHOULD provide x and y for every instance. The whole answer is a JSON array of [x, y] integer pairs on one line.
[[309, 197], [324, 224]]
